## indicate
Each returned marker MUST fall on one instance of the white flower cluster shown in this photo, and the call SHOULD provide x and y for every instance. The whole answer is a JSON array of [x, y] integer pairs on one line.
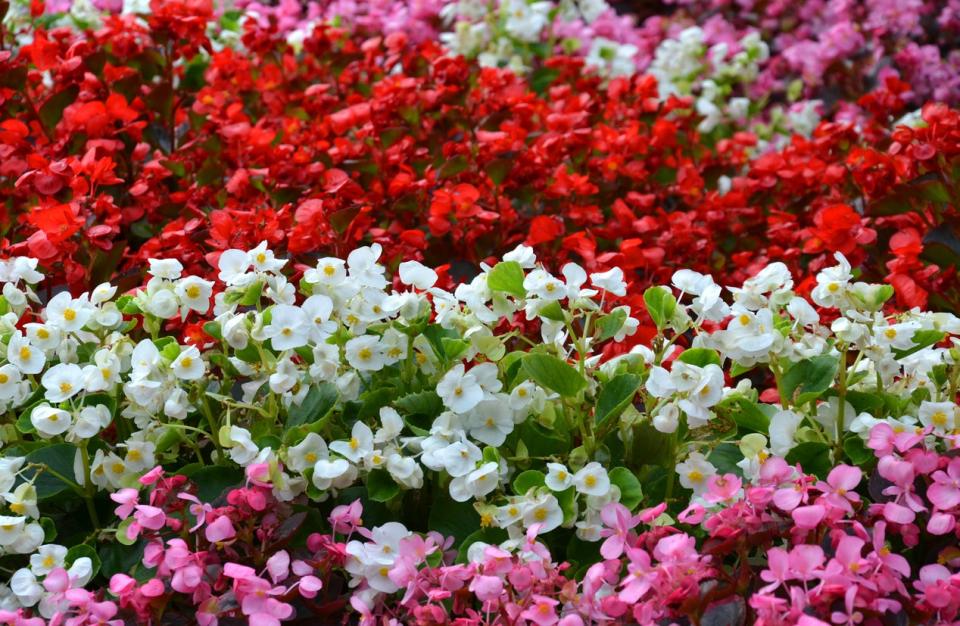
[[686, 66]]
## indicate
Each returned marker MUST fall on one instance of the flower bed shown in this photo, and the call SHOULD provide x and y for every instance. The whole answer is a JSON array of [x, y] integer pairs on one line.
[[492, 408], [305, 320]]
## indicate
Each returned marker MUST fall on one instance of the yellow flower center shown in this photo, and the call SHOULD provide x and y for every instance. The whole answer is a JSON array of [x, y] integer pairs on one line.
[[695, 476], [117, 468], [18, 507], [744, 319], [69, 315], [310, 457], [106, 372], [458, 391], [186, 361], [365, 354], [43, 333], [261, 258], [135, 455], [890, 333], [25, 353], [939, 418], [193, 291], [833, 287], [329, 270], [540, 515], [66, 387], [53, 417], [3, 378], [354, 444], [590, 480]]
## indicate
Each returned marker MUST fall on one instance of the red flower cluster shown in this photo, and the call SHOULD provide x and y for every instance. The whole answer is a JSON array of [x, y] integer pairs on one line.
[[128, 143]]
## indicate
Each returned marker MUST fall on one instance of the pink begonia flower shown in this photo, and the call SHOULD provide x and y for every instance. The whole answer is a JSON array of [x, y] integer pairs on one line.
[[778, 569], [151, 477], [150, 517], [693, 514], [838, 490], [935, 585], [220, 530], [487, 588], [619, 523], [278, 566], [789, 498], [888, 558], [944, 493], [724, 488], [808, 517], [941, 523], [309, 586], [198, 509], [346, 517], [639, 576], [543, 612], [852, 617], [847, 560], [902, 475], [127, 499]]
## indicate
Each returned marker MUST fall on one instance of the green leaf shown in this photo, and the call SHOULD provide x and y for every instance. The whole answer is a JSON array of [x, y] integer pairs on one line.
[[551, 311], [213, 480], [921, 339], [507, 276], [80, 551], [49, 529], [550, 372], [858, 453], [610, 325], [661, 305], [453, 348], [615, 396], [116, 558], [813, 457], [381, 487], [530, 479], [498, 169], [748, 414], [809, 378], [631, 493], [59, 458], [725, 458], [453, 166], [319, 402], [701, 357], [121, 534], [426, 403], [51, 111], [128, 305], [213, 329]]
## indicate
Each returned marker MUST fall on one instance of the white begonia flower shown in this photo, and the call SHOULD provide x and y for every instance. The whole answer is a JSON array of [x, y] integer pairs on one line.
[[417, 275], [524, 396], [67, 313], [329, 271], [168, 269], [459, 390], [363, 267], [667, 418], [23, 500], [317, 309], [459, 458], [50, 421], [288, 328], [176, 404], [942, 416], [263, 259], [392, 425], [242, 449], [365, 353], [194, 293], [526, 20], [20, 268], [592, 480], [43, 336], [27, 358], [783, 427], [832, 284], [9, 381], [544, 511], [233, 265], [9, 468], [48, 558], [235, 332], [491, 421], [25, 587], [559, 477], [476, 484], [695, 473], [542, 284], [189, 364], [90, 421], [405, 470], [162, 304], [358, 446], [660, 383], [102, 293], [524, 255], [800, 310], [827, 413], [328, 473], [103, 373], [305, 454], [11, 527], [897, 336], [610, 281], [140, 455]]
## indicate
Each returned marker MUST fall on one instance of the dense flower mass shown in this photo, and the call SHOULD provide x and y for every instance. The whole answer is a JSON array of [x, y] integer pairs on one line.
[[500, 312]]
